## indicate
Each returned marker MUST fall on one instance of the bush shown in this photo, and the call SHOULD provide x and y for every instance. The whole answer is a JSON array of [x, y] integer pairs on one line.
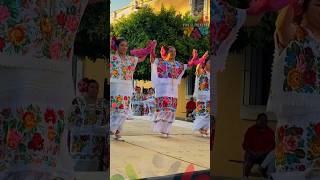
[[167, 27]]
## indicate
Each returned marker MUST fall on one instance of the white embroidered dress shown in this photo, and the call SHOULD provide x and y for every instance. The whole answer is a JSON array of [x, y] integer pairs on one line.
[[166, 78], [295, 99], [202, 96], [36, 48], [121, 73], [88, 134]]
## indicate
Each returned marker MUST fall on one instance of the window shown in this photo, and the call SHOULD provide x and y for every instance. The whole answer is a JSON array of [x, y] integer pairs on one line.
[[257, 63], [197, 7], [77, 72], [190, 85], [257, 76]]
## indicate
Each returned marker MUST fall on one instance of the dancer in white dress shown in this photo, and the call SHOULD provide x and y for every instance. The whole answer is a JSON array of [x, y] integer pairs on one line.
[[166, 74], [295, 90], [36, 49], [122, 68], [202, 96], [88, 130]]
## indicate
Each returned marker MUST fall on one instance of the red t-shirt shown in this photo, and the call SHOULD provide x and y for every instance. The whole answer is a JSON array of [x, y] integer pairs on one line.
[[191, 105], [259, 141]]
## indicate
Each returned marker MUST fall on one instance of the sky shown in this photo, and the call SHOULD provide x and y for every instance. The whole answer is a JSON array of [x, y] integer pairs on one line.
[[117, 4]]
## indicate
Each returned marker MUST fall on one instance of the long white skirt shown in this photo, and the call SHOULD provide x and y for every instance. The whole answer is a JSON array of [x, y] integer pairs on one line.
[[38, 100], [163, 122], [120, 97], [201, 122]]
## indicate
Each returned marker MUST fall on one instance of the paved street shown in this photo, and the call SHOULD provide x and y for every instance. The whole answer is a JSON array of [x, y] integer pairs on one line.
[[146, 154]]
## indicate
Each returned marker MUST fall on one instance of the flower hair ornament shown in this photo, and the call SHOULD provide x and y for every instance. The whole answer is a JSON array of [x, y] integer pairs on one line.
[[113, 43], [83, 85], [164, 54]]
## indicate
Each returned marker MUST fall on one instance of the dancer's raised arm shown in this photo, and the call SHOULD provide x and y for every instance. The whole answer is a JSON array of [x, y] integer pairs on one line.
[[142, 53], [284, 26], [195, 60]]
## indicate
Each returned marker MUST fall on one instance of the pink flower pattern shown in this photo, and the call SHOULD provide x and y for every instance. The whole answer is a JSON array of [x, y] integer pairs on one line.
[[166, 104], [117, 67], [20, 142], [166, 70], [4, 13], [25, 30]]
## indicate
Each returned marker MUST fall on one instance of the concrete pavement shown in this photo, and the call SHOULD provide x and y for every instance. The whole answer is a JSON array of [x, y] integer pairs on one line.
[[146, 154]]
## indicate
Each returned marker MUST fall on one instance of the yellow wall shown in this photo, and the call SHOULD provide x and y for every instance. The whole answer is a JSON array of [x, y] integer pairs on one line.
[[181, 6], [182, 101], [96, 71], [230, 128]]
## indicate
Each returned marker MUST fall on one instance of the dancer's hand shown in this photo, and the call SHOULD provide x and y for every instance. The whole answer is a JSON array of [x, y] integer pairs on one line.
[[194, 54], [205, 56], [153, 49], [285, 29]]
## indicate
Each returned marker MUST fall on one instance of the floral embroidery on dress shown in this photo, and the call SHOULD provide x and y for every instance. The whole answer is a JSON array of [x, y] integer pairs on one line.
[[120, 104], [167, 70], [80, 146], [84, 144], [39, 28], [302, 65], [223, 20], [313, 142], [123, 70], [32, 136], [203, 82], [166, 104], [83, 114], [290, 153], [87, 146], [202, 108]]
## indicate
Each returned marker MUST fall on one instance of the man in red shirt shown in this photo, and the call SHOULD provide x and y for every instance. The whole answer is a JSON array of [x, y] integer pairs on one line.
[[258, 142], [191, 105]]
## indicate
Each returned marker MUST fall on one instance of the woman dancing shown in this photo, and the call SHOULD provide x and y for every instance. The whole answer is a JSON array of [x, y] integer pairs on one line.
[[202, 96], [122, 68], [166, 74], [295, 90]]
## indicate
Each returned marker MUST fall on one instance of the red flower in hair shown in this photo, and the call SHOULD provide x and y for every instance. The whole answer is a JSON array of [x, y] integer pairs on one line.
[[113, 43], [163, 53], [83, 86]]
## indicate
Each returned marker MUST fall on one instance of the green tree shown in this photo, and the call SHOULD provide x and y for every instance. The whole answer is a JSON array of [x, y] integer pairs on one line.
[[93, 34], [167, 27]]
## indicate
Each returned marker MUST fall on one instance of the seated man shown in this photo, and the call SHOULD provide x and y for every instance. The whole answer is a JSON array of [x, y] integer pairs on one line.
[[191, 106], [258, 142]]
